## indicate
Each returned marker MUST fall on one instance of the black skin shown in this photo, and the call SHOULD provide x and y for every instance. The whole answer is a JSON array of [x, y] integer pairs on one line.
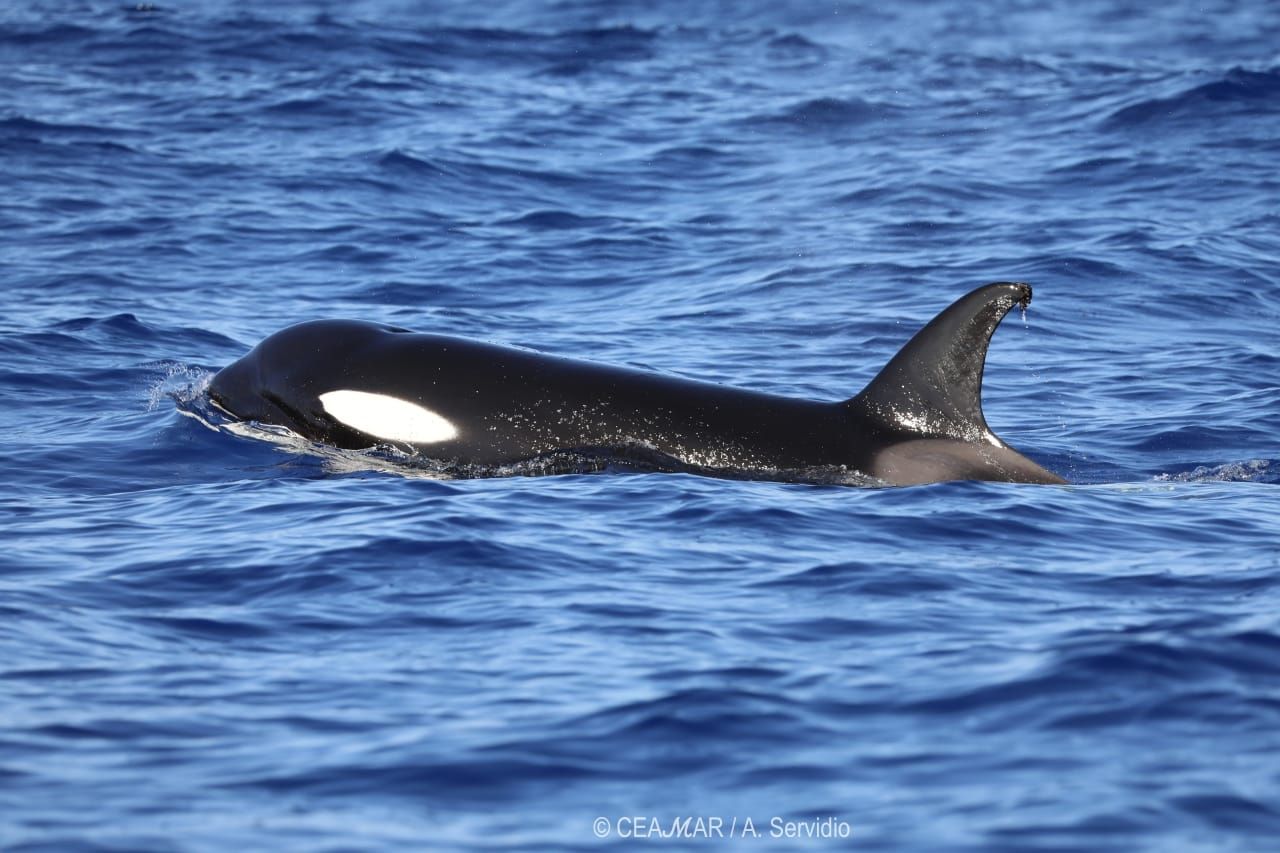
[[919, 421]]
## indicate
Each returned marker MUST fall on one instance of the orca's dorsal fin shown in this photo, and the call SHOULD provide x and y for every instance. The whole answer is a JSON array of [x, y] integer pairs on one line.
[[933, 386]]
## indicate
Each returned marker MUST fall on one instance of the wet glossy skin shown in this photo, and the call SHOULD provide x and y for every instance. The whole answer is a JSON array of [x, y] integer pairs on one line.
[[474, 403]]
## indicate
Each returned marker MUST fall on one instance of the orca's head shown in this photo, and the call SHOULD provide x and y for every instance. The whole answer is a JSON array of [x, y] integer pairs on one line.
[[279, 380]]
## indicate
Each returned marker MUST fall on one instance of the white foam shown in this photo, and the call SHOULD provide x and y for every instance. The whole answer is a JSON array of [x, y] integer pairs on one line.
[[387, 417]]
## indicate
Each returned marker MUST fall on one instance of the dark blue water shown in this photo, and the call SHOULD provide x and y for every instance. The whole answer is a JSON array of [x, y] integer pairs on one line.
[[208, 640]]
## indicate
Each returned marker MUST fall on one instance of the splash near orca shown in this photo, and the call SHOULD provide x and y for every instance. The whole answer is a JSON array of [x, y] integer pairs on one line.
[[358, 385]]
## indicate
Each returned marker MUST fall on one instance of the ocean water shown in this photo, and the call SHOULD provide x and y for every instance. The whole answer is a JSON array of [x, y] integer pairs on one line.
[[209, 640]]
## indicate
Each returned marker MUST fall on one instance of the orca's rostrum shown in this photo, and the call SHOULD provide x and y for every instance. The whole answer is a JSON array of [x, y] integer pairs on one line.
[[356, 384]]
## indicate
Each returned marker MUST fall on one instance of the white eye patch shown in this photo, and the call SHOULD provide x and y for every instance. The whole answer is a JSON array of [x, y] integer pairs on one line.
[[387, 417]]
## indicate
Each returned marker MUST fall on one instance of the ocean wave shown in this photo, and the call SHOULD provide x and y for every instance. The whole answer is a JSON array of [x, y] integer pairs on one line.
[[1249, 471], [558, 220], [1239, 91], [826, 113]]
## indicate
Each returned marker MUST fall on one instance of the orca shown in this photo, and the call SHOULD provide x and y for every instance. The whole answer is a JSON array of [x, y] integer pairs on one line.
[[358, 385]]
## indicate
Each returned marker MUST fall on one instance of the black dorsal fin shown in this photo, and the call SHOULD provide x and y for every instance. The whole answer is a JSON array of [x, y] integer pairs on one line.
[[933, 386]]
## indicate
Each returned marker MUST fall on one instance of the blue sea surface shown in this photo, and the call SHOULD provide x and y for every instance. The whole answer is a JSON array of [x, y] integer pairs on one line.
[[212, 641]]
